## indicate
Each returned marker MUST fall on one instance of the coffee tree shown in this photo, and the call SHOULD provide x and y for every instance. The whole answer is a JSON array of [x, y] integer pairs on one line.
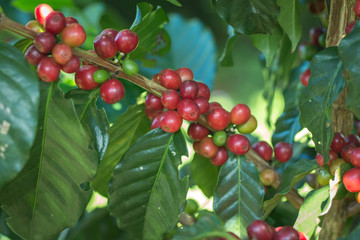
[[60, 144]]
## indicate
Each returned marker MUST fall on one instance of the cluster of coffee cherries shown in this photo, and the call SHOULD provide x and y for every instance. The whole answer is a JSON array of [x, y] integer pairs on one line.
[[260, 230]]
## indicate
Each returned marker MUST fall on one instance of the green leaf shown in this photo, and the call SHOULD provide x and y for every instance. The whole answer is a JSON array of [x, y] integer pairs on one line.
[[23, 44], [4, 229], [204, 174], [267, 44], [125, 131], [289, 19], [51, 189], [354, 235], [19, 100], [226, 58], [349, 51], [325, 84], [26, 5], [175, 2], [310, 210], [145, 192], [292, 174], [239, 194], [248, 16]]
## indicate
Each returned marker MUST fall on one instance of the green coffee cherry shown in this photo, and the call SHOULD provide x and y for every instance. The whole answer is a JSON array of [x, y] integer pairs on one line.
[[219, 138], [130, 67], [100, 76]]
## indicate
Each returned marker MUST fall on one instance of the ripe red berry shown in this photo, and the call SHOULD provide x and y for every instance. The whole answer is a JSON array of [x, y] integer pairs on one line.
[[33, 56], [156, 78], [320, 159], [196, 131], [357, 8], [62, 53], [185, 73], [48, 70], [188, 110], [207, 147], [213, 105], [220, 157], [355, 157], [316, 6], [170, 99], [170, 121], [287, 233], [260, 230], [196, 147], [126, 41], [105, 46], [346, 153], [304, 77], [73, 35], [55, 22], [44, 42], [218, 118], [263, 149], [111, 32], [353, 140], [239, 114], [283, 151], [72, 66], [156, 122], [170, 79], [315, 33], [112, 91], [351, 180], [350, 27], [338, 142], [153, 102], [203, 104], [70, 20], [238, 144], [189, 89], [41, 12], [204, 90], [84, 77], [152, 113]]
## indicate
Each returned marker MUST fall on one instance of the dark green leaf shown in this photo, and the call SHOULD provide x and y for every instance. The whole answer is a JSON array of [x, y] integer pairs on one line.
[[204, 174], [23, 44], [26, 5], [19, 99], [125, 131], [175, 2], [325, 84], [248, 16], [226, 58], [145, 192], [48, 189], [289, 19], [310, 210], [354, 235], [4, 229], [349, 51], [239, 194]]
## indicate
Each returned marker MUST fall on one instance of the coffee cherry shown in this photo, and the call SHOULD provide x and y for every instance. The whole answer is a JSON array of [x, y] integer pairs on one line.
[[338, 142], [170, 121], [207, 147], [152, 113], [322, 40], [260, 230], [73, 35], [301, 236], [304, 77], [263, 149], [239, 114], [170, 99], [35, 26], [156, 78], [41, 12], [33, 56], [324, 177], [358, 197], [213, 105], [316, 6], [335, 165], [72, 66], [307, 51], [346, 153], [112, 91], [100, 76], [283, 151], [351, 180], [357, 8], [70, 20], [62, 53], [196, 131], [55, 22], [350, 27], [286, 233], [130, 67], [267, 176], [105, 46], [189, 89], [315, 33], [238, 144], [248, 127], [188, 110], [111, 32], [48, 70], [126, 41], [221, 157], [355, 157], [353, 140], [185, 73], [153, 102], [320, 159], [218, 118], [204, 90], [170, 79], [44, 42], [203, 105], [196, 147], [219, 138], [84, 77]]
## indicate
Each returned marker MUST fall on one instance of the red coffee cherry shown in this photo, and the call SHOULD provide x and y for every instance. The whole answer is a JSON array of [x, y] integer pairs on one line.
[[170, 79], [62, 53], [355, 157], [346, 153], [207, 147], [203, 105], [156, 78], [55, 22], [185, 73], [84, 77], [238, 144], [196, 147], [357, 8], [196, 131], [263, 149], [260, 230], [170, 121], [105, 46], [44, 42], [315, 33], [112, 91], [239, 114], [320, 159], [152, 113], [221, 157], [170, 99], [204, 90], [73, 35], [350, 27], [338, 142], [72, 66], [218, 118], [33, 56], [48, 70], [304, 77], [126, 41], [287, 233], [351, 180], [70, 20], [111, 32], [188, 110], [213, 105], [283, 151], [153, 102], [353, 140], [189, 89], [41, 12], [156, 122]]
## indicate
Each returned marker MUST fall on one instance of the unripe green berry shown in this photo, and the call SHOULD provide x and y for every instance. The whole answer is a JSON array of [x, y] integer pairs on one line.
[[191, 206], [324, 177], [219, 138], [100, 76], [130, 67]]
